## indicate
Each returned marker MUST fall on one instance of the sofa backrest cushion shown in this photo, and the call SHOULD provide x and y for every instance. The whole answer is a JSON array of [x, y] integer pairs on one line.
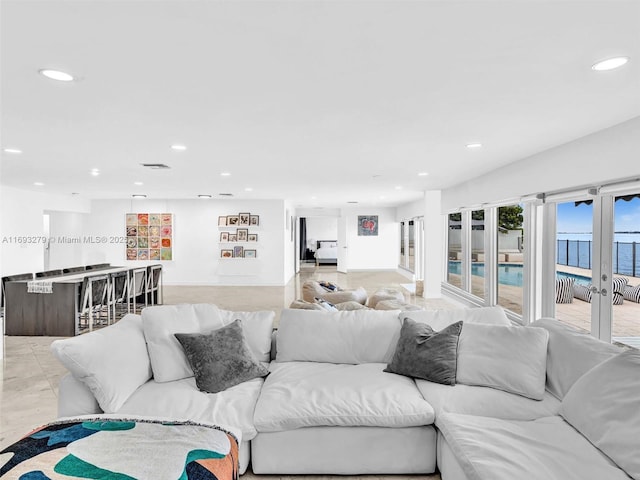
[[512, 359], [258, 327], [570, 355], [161, 322], [112, 362], [350, 337], [439, 319], [603, 406]]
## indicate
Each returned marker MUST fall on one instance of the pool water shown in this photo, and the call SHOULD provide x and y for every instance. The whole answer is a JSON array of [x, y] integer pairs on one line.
[[510, 274]]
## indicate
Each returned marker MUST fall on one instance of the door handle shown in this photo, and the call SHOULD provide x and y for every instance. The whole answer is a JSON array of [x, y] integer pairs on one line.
[[595, 290]]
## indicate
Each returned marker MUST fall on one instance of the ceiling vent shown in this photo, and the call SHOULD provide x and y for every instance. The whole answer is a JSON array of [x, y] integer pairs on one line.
[[155, 166], [226, 194]]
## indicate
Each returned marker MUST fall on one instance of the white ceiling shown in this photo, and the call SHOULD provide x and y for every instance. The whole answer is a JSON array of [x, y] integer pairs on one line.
[[338, 100]]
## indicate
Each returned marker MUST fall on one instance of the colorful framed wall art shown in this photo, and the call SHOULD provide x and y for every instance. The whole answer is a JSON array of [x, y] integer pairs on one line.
[[149, 236]]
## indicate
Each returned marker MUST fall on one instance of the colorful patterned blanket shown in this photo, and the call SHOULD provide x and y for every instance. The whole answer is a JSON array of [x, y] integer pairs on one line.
[[122, 449]]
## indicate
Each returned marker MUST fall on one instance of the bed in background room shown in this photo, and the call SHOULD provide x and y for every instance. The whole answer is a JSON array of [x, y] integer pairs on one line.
[[326, 252]]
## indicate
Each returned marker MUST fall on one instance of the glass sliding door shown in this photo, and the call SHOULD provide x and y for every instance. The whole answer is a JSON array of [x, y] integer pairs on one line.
[[411, 247], [574, 262], [402, 244], [477, 254], [510, 244], [625, 327], [454, 250]]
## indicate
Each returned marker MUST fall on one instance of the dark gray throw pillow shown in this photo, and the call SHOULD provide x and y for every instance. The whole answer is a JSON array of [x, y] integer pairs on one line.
[[220, 359], [423, 353]]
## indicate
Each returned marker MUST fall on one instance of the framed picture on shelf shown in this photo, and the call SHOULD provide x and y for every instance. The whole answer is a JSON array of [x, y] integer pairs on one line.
[[250, 254], [254, 220], [222, 221], [242, 234], [252, 237], [244, 218], [224, 236], [226, 253], [233, 237], [232, 220], [238, 251]]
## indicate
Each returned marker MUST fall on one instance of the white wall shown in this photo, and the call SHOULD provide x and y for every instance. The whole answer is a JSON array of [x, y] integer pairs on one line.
[[66, 226], [410, 210], [434, 257], [321, 228], [380, 252], [604, 156], [196, 254], [22, 213]]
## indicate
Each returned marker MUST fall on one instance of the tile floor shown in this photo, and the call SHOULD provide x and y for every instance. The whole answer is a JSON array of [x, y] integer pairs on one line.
[[30, 374]]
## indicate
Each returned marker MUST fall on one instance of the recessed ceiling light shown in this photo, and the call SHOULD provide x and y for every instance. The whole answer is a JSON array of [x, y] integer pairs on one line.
[[95, 172], [57, 75], [399, 187], [382, 197], [248, 189], [138, 195], [225, 174], [423, 174], [138, 183], [204, 196], [609, 63], [12, 150], [178, 147], [38, 184], [314, 198], [474, 145]]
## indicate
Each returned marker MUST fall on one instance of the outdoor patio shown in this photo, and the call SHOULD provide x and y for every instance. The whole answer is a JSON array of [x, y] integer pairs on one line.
[[626, 317]]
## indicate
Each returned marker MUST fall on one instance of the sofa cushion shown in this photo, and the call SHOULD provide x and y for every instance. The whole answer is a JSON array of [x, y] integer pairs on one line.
[[112, 362], [485, 401], [181, 400], [439, 319], [220, 359], [570, 354], [357, 336], [167, 356], [512, 359], [327, 394], [426, 354], [610, 394], [544, 449]]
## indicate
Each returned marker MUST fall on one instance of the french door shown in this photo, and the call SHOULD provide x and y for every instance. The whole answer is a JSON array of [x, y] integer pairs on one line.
[[597, 246]]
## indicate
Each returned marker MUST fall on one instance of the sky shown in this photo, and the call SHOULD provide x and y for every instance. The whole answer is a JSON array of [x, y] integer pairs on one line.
[[572, 219]]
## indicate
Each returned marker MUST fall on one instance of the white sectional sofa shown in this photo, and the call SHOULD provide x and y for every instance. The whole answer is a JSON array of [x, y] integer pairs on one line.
[[327, 406]]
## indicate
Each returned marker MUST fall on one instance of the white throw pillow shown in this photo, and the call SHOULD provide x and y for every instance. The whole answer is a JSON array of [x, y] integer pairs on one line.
[[112, 362], [257, 328], [571, 354], [439, 319], [603, 405], [161, 322], [353, 337], [512, 359]]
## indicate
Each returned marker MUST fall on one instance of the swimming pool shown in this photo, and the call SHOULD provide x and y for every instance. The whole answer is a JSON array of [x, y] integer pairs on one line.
[[510, 274]]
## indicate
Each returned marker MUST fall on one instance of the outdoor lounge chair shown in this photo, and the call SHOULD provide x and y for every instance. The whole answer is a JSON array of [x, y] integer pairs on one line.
[[564, 289], [618, 286], [632, 293]]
